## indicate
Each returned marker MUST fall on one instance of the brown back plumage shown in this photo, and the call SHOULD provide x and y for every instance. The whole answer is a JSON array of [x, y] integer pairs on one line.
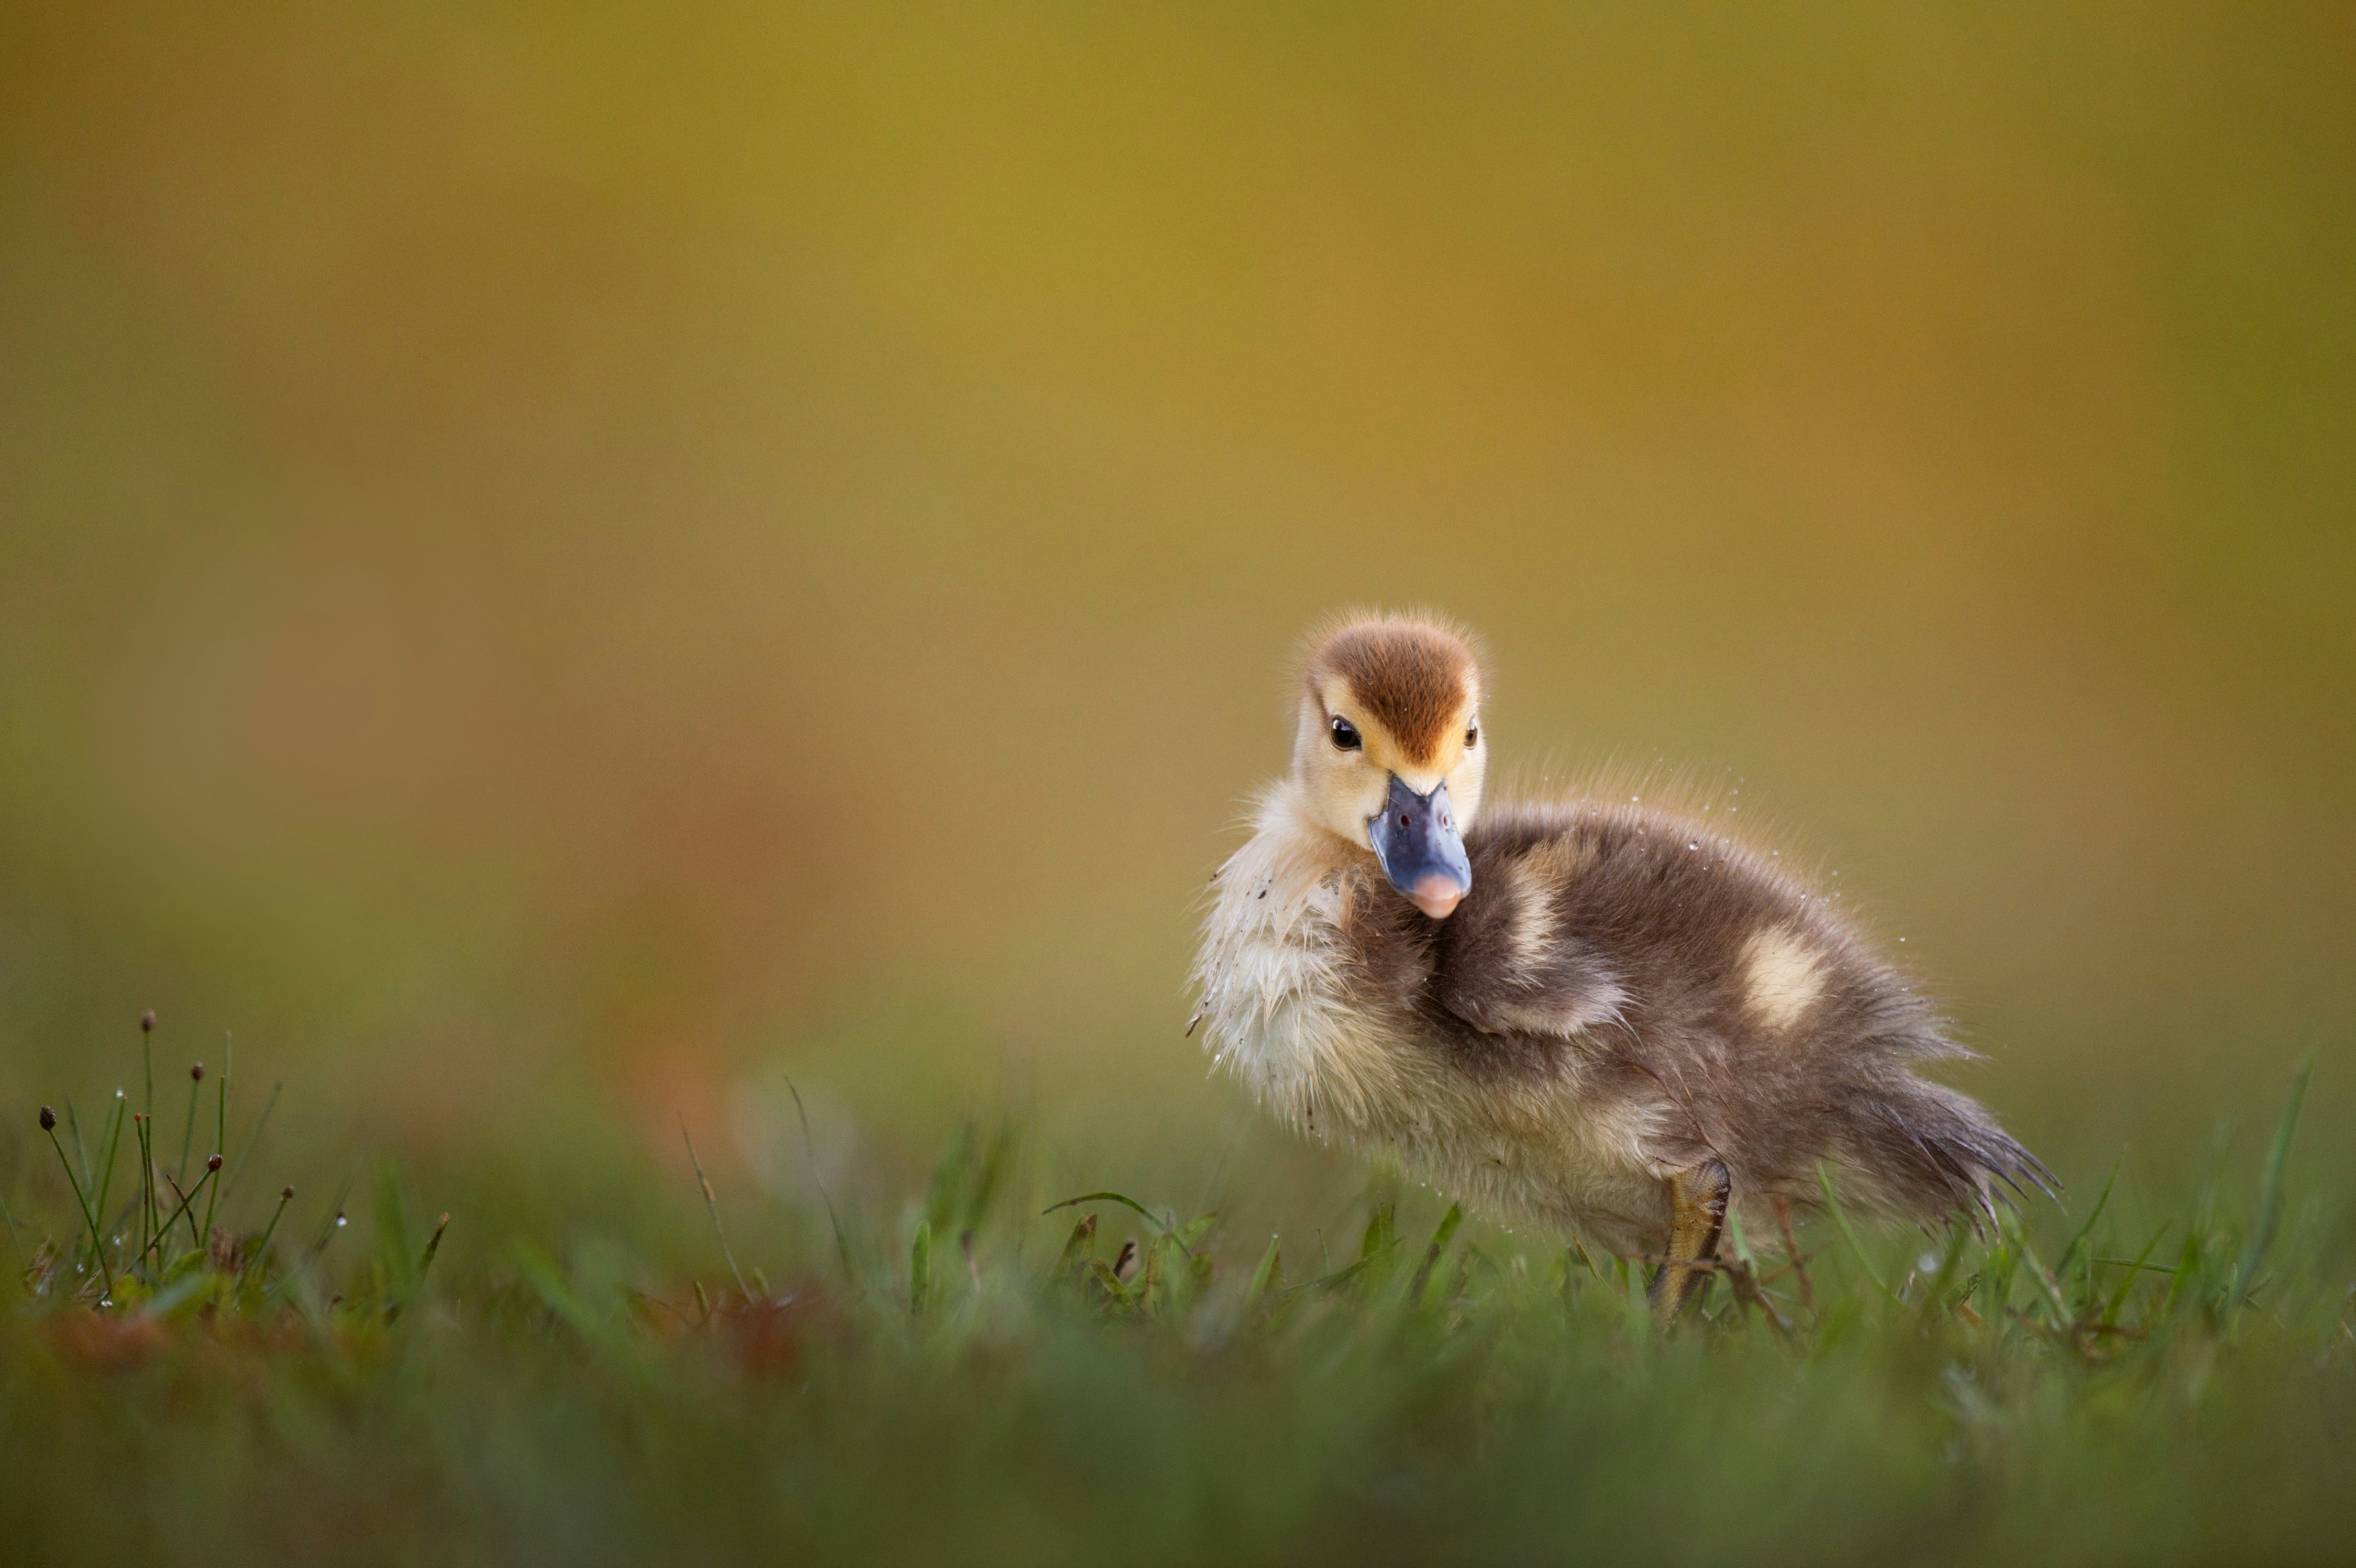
[[1411, 675], [1654, 928]]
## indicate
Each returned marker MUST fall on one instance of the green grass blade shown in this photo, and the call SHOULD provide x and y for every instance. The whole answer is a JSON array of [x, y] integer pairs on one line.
[[2188, 1263], [949, 1181], [1114, 1291], [1167, 1227], [433, 1245], [1959, 1236], [1736, 1238], [920, 1269], [833, 1220], [2270, 1196], [1270, 1273], [2062, 1266], [2063, 1315], [1081, 1246], [1841, 1221], [2127, 1278], [1439, 1239]]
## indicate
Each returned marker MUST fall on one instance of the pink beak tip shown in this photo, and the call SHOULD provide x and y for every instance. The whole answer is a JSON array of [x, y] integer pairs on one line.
[[1437, 897]]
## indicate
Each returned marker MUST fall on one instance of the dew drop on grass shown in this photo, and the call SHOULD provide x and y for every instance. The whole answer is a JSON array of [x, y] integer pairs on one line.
[[341, 1222], [1927, 1263]]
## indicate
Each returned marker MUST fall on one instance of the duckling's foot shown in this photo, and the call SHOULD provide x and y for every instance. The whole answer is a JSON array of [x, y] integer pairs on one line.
[[1697, 1213]]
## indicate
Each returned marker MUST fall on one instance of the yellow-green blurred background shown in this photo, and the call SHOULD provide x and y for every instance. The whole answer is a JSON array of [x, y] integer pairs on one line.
[[602, 551]]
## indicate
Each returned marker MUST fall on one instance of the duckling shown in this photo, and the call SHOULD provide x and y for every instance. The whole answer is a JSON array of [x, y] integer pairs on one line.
[[1587, 1014]]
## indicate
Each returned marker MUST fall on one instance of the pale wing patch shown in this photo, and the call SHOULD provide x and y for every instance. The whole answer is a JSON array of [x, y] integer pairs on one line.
[[1554, 1001], [1784, 976], [1531, 926], [1533, 880], [1565, 1016]]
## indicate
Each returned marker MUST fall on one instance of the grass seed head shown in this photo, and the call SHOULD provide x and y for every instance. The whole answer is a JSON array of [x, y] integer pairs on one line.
[[48, 1120], [287, 1193], [196, 1073], [212, 1162], [147, 1021]]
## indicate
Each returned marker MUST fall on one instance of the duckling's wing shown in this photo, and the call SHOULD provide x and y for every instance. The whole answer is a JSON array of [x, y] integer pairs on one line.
[[1504, 964]]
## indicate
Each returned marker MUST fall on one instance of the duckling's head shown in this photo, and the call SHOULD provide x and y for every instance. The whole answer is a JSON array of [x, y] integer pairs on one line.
[[1389, 756]]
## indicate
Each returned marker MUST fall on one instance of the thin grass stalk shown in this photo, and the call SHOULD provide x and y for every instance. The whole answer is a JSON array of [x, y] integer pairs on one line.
[[188, 1132], [49, 1125], [139, 1128], [80, 1153], [711, 1204], [336, 1220], [113, 1143], [261, 1248], [335, 1223], [186, 1198], [433, 1245], [220, 1125], [153, 1171], [809, 1153], [246, 1153], [1791, 1250]]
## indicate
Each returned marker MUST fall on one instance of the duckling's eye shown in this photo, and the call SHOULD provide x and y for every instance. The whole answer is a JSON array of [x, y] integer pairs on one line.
[[1345, 735], [1471, 736]]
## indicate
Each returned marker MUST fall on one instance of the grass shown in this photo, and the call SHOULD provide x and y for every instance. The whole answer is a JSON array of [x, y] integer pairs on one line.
[[995, 1369]]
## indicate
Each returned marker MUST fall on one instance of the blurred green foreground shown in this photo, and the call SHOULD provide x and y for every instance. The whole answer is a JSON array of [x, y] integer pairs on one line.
[[997, 1371]]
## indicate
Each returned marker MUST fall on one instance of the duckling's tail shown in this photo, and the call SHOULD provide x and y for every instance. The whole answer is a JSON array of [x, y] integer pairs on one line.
[[1935, 1154]]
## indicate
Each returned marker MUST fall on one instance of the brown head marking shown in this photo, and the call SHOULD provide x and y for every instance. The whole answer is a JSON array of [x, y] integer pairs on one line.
[[1411, 675]]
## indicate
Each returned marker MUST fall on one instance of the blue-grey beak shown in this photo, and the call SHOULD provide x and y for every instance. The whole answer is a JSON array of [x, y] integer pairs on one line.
[[1415, 838]]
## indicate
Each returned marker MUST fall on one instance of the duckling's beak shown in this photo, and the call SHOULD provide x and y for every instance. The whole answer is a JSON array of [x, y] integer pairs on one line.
[[1415, 838]]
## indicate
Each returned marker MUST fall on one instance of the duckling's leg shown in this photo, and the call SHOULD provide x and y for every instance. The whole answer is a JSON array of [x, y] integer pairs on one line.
[[1696, 1210]]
